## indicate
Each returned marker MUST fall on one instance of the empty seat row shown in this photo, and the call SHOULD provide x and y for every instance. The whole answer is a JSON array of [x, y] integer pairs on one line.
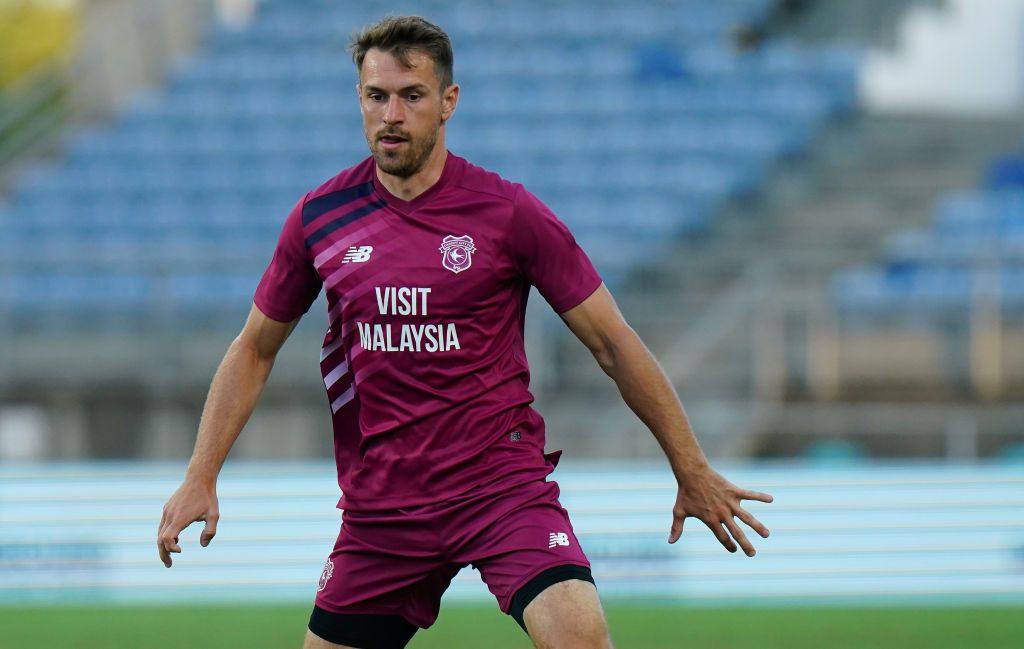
[[631, 120], [973, 249], [570, 96], [980, 210], [931, 246], [538, 22], [247, 70], [927, 289]]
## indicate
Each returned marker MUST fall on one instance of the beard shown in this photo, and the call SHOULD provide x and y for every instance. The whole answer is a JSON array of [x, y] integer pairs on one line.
[[406, 161]]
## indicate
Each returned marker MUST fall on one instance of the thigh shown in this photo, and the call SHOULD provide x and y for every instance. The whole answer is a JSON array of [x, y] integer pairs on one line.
[[383, 567], [515, 540], [567, 615]]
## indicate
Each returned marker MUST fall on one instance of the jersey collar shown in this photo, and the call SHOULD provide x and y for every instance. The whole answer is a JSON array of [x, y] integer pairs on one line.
[[452, 167]]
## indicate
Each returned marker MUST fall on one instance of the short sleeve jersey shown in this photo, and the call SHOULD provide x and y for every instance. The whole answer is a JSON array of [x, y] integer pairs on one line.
[[424, 360]]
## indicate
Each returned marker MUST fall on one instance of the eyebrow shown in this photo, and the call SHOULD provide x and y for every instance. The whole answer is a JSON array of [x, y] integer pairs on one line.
[[419, 87]]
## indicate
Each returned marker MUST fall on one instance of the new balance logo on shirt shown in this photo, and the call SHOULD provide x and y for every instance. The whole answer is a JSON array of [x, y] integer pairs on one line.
[[558, 538], [357, 254]]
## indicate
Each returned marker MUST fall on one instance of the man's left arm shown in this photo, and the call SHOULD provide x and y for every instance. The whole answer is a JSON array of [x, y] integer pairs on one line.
[[703, 492]]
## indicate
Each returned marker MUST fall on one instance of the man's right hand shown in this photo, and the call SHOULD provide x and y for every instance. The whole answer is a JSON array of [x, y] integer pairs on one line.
[[193, 501], [233, 394]]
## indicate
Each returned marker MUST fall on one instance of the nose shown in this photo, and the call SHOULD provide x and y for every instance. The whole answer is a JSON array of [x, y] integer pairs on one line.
[[393, 111]]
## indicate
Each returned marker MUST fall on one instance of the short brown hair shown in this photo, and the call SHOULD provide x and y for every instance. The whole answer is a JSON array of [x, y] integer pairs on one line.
[[400, 35]]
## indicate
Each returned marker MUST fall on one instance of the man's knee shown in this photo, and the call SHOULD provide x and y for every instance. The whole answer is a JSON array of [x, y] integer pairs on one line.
[[567, 615]]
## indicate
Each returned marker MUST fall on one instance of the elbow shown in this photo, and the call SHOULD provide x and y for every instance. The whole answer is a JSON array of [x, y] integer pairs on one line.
[[605, 358], [249, 351], [613, 350], [608, 353]]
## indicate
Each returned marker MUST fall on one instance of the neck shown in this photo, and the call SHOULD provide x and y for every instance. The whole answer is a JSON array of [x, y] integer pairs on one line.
[[411, 187]]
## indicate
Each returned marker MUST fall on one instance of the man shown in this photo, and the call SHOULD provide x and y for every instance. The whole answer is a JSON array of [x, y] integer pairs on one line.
[[427, 262]]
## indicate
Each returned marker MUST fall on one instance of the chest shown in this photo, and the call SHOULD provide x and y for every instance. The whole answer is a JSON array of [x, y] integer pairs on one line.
[[436, 266]]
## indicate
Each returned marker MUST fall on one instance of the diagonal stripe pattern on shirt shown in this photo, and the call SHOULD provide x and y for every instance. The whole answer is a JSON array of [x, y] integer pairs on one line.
[[321, 205], [345, 397], [343, 220], [335, 374]]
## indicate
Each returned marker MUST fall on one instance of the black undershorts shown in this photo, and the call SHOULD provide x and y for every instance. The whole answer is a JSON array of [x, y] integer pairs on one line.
[[365, 631]]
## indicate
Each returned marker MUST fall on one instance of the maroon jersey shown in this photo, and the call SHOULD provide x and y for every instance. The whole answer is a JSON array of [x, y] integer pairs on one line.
[[423, 361]]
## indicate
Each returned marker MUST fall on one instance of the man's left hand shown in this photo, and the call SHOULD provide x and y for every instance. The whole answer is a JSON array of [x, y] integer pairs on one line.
[[706, 495]]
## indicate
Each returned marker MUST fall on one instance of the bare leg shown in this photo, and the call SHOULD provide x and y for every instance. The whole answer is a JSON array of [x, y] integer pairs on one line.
[[567, 615]]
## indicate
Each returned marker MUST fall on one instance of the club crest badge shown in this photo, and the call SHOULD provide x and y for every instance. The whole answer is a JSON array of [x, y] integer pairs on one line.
[[457, 252], [326, 575]]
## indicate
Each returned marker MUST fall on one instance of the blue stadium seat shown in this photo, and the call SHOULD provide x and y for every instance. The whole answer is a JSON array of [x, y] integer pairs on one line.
[[955, 248], [62, 302], [977, 210], [586, 107], [219, 299], [1006, 172]]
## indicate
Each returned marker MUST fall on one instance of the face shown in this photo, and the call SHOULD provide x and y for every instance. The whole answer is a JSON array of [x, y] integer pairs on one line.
[[403, 110]]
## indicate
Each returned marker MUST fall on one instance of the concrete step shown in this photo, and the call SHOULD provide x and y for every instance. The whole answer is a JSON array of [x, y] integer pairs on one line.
[[872, 177]]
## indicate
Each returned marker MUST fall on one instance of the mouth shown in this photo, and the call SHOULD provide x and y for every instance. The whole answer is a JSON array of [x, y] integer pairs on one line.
[[391, 141]]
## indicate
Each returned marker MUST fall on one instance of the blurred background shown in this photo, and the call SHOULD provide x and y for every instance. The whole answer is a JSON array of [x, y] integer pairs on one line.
[[811, 210]]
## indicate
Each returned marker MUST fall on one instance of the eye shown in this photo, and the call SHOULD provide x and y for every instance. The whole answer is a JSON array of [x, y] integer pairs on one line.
[[376, 96], [412, 97]]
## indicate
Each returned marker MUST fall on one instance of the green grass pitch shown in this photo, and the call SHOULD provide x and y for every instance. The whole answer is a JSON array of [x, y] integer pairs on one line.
[[633, 627]]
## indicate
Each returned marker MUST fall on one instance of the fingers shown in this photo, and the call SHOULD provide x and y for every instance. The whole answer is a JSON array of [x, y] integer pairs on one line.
[[167, 538], [716, 529], [191, 503], [752, 522], [164, 557], [717, 503], [756, 495], [161, 550], [722, 536], [677, 527], [209, 530], [167, 543], [741, 538], [749, 519]]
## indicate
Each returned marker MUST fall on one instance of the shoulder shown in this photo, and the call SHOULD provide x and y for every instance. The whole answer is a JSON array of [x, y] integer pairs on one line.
[[345, 186], [479, 180], [516, 195]]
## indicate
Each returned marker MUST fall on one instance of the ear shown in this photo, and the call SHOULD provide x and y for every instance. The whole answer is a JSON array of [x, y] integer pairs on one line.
[[449, 99]]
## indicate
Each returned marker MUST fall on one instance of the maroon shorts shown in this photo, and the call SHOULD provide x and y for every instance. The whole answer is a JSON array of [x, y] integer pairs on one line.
[[401, 562]]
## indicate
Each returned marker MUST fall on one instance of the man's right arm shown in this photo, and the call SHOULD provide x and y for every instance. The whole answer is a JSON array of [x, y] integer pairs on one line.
[[233, 394]]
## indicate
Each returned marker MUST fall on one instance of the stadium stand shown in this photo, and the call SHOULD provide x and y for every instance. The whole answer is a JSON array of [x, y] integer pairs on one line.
[[736, 201], [170, 212], [973, 249]]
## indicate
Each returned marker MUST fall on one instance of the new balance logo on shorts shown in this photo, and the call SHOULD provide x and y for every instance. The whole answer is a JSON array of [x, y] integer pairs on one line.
[[558, 538], [357, 254]]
